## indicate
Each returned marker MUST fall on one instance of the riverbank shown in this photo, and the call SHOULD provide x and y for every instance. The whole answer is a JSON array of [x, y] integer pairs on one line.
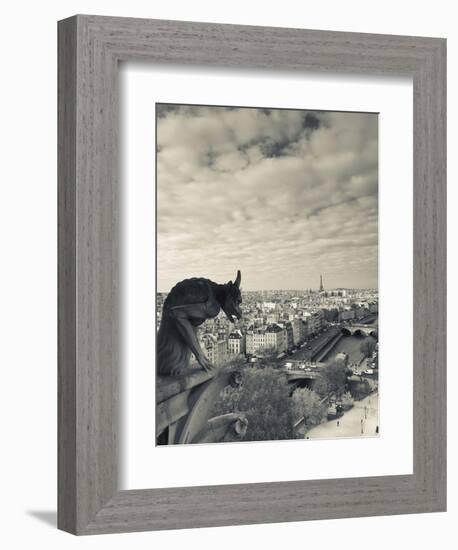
[[361, 420], [351, 346]]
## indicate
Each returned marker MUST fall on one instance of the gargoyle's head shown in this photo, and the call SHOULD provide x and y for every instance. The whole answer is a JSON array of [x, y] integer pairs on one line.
[[233, 299]]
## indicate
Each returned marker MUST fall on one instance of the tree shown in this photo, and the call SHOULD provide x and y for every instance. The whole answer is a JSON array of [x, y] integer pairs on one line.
[[332, 380], [367, 347], [347, 401], [331, 315], [238, 362], [361, 390], [320, 386], [264, 397], [307, 404], [267, 357]]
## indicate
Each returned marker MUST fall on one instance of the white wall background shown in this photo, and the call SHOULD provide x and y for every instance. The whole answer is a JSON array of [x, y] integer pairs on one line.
[[28, 270]]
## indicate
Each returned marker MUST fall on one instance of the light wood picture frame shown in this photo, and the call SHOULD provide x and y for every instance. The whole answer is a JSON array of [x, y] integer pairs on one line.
[[90, 49]]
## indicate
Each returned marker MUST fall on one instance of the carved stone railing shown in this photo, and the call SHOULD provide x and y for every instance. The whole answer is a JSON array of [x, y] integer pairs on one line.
[[185, 402]]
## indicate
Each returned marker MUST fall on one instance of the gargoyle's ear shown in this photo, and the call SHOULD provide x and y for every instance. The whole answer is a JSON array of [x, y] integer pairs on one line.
[[238, 279]]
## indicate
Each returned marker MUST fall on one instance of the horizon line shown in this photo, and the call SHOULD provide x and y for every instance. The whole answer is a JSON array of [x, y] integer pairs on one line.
[[294, 289]]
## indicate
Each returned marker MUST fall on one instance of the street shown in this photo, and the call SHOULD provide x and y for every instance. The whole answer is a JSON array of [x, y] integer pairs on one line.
[[305, 354], [360, 421]]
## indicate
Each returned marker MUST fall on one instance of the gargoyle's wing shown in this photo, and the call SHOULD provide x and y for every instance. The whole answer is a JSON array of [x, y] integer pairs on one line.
[[189, 292]]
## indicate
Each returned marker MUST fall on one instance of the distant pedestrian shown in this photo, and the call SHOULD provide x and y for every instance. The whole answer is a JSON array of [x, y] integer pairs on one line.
[[376, 430], [362, 425], [338, 423]]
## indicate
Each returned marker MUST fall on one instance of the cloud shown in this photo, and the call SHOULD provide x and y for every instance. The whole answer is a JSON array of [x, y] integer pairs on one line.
[[282, 195]]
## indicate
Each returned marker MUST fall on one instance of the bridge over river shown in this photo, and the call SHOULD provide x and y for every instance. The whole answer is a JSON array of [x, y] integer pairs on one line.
[[345, 339], [296, 375], [362, 330], [334, 341]]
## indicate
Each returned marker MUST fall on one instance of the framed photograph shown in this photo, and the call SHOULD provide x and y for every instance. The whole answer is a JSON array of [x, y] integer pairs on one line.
[[264, 189], [252, 314]]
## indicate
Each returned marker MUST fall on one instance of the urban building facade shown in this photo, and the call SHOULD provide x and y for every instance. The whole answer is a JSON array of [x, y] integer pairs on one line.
[[279, 321], [236, 343], [272, 338]]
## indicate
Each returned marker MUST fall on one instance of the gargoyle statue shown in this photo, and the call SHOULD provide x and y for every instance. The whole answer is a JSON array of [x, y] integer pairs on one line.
[[188, 305]]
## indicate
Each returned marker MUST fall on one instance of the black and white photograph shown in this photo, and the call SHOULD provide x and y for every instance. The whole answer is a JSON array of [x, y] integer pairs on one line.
[[267, 274], [225, 271]]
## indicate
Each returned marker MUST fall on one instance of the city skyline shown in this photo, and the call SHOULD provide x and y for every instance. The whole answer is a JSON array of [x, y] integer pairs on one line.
[[303, 289], [282, 195]]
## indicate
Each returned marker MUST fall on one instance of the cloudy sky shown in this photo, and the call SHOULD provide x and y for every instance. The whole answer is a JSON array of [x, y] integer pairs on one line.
[[282, 195]]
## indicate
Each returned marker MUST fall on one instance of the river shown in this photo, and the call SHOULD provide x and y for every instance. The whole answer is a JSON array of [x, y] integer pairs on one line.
[[350, 345]]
